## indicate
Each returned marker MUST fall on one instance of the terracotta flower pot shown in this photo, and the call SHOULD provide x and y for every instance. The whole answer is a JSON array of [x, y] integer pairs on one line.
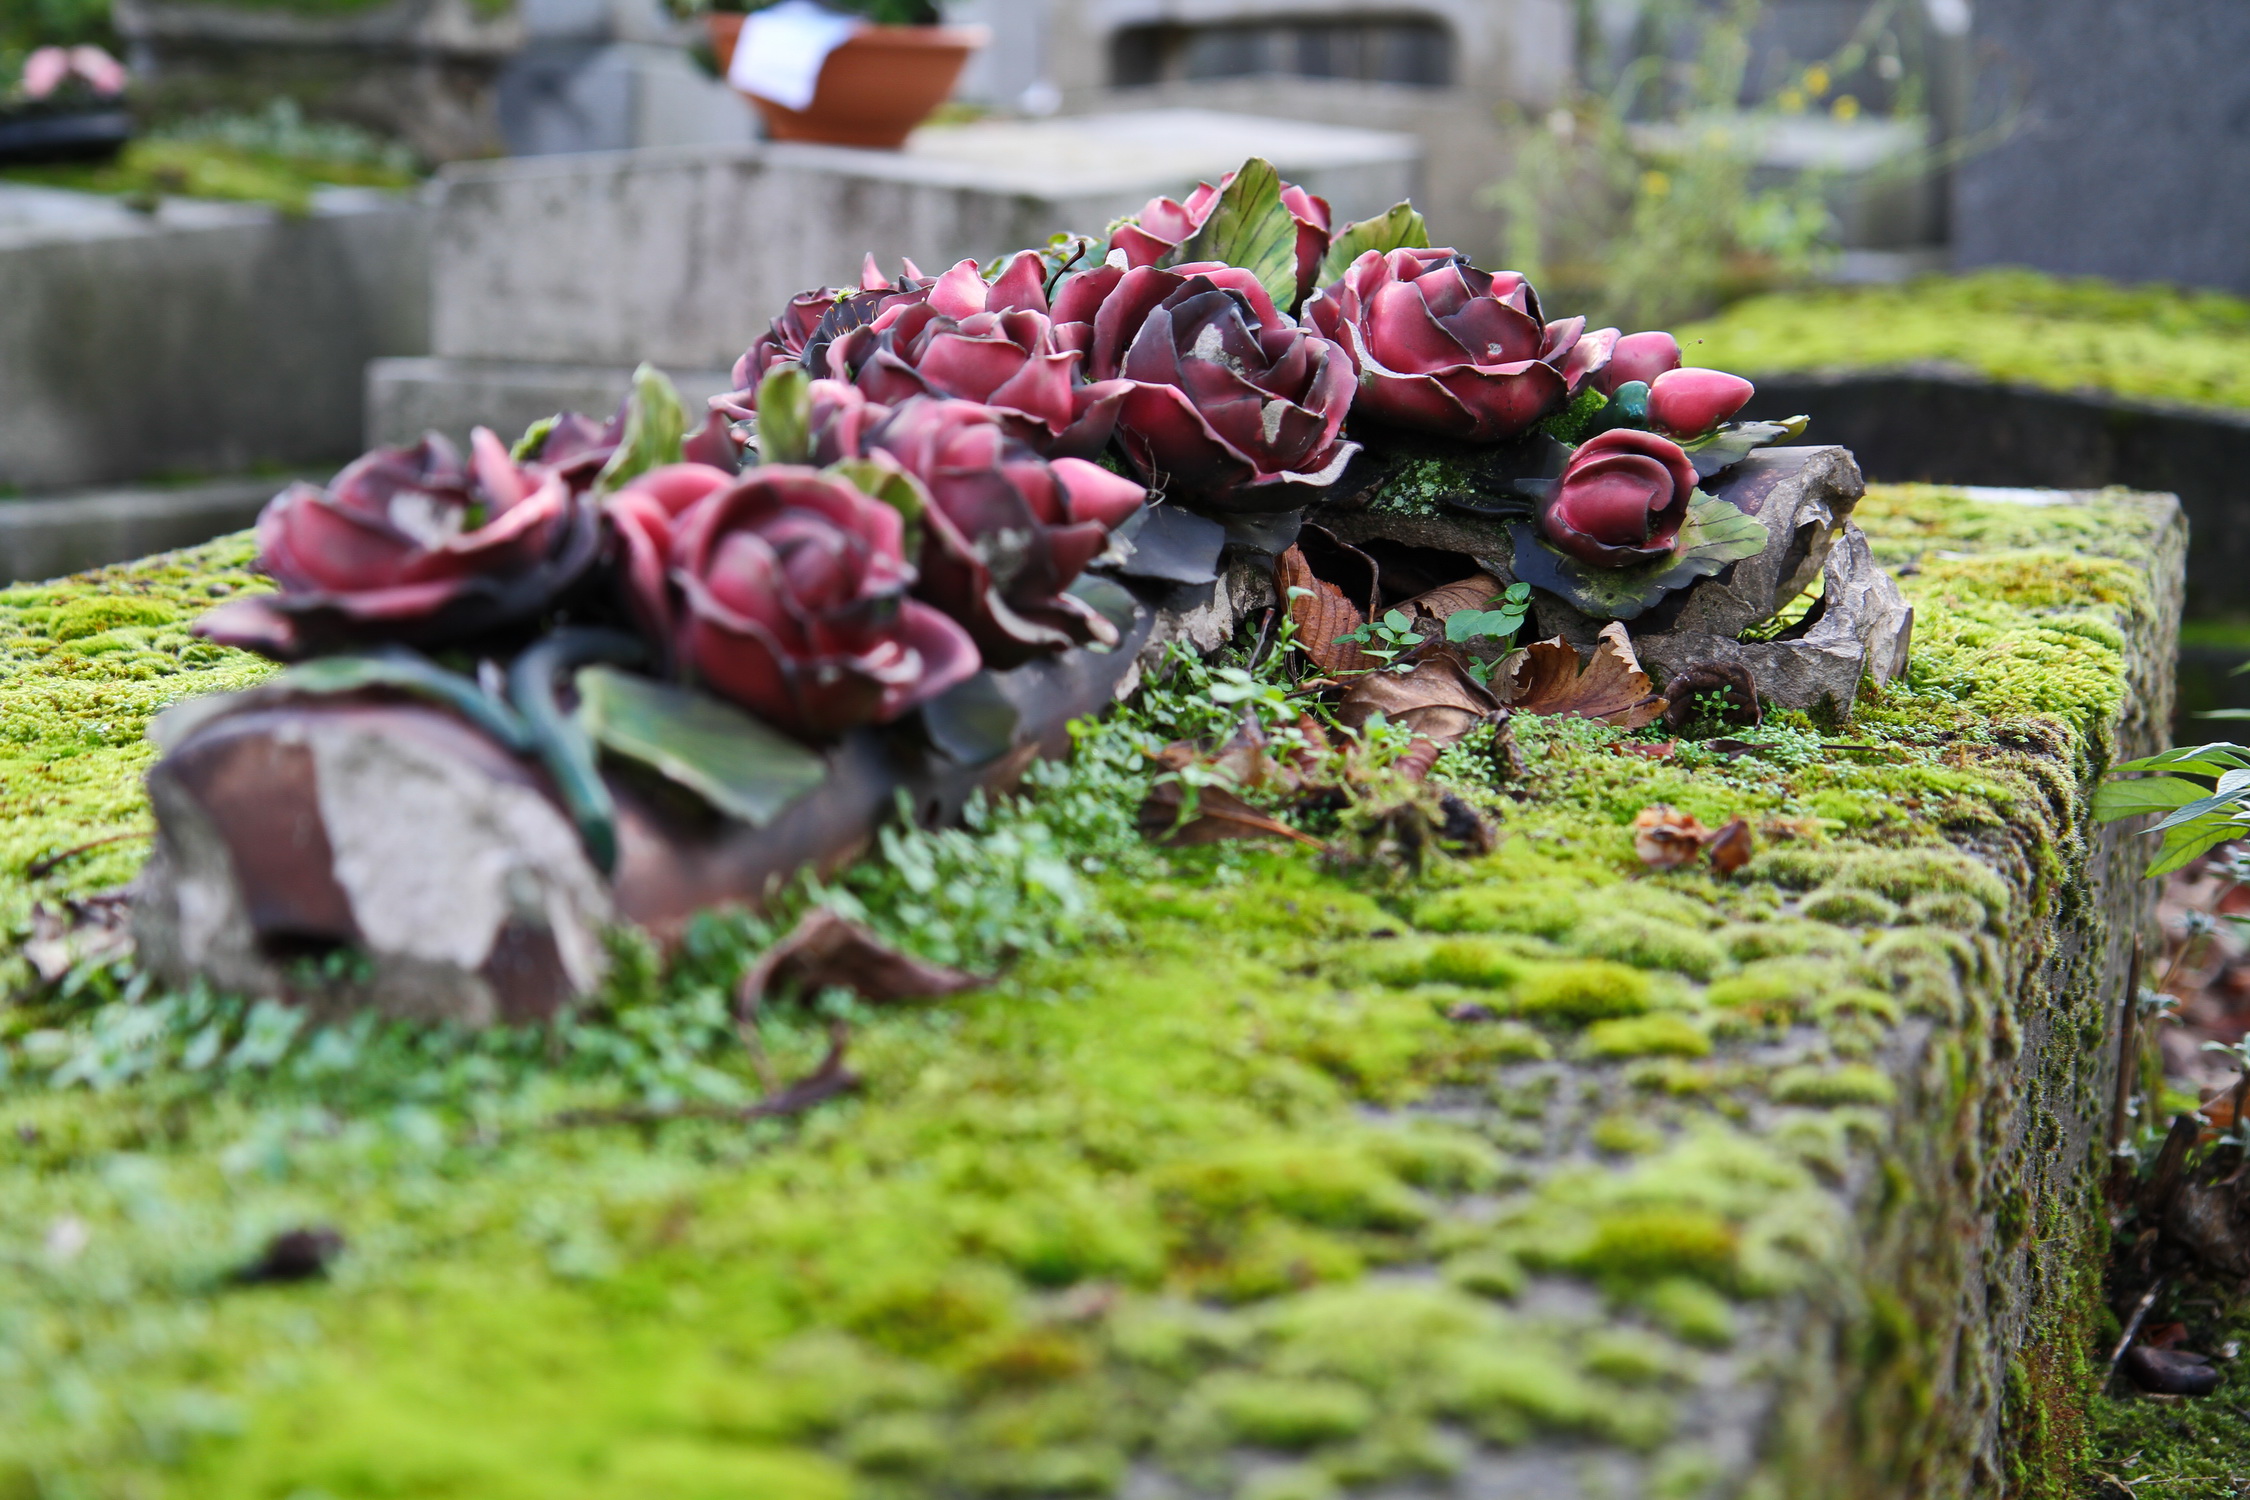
[[873, 90]]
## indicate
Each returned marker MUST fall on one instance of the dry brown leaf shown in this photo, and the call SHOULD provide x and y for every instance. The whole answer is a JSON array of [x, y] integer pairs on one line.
[[1731, 846], [1321, 616], [1546, 678], [825, 950], [1438, 698], [1219, 815], [1477, 591], [1666, 838]]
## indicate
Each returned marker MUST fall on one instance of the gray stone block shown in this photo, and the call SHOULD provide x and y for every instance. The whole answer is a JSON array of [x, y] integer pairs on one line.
[[47, 538], [202, 338], [408, 397], [681, 255], [2123, 140]]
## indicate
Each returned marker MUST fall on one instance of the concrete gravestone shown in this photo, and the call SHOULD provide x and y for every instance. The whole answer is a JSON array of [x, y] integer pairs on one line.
[[551, 278], [2124, 145]]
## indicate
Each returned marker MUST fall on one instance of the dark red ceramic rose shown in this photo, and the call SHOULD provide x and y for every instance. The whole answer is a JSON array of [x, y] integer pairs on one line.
[[1620, 500], [413, 547], [787, 592], [993, 344], [1232, 404], [1006, 532], [1163, 225], [1442, 347], [813, 319]]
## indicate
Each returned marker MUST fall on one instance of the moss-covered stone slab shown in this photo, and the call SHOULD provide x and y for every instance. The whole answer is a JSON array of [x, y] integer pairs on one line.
[[1254, 1173]]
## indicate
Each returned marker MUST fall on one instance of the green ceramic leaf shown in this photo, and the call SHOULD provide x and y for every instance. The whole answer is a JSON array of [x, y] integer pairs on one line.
[[973, 722], [1111, 600], [1401, 228], [740, 766], [400, 670], [1716, 533], [534, 438], [785, 416], [1727, 446], [1250, 228], [561, 741], [655, 423]]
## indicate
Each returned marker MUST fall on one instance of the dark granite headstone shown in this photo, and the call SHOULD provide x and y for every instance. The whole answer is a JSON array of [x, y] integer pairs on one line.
[[2129, 155]]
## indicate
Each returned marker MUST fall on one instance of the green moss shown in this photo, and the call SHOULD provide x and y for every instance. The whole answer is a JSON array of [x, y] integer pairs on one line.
[[1487, 1273], [2016, 326], [1688, 1310], [1542, 910], [1275, 1412], [1180, 1147], [1663, 1035], [1650, 944], [1854, 1083], [1770, 990], [1850, 908], [1581, 992], [1472, 962]]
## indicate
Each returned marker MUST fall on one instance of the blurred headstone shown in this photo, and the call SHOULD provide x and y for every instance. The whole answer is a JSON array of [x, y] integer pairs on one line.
[[610, 75], [2119, 136], [551, 278]]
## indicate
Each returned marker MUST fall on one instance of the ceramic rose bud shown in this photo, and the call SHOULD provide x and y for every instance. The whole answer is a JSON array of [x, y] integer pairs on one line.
[[413, 547], [1442, 347], [1006, 532], [1691, 401], [1163, 225], [1638, 356], [787, 592], [1233, 405], [1620, 500]]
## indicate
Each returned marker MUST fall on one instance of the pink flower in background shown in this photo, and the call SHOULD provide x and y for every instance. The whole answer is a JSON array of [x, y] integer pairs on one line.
[[787, 593], [1442, 347], [44, 71], [410, 545], [103, 74], [49, 68], [1620, 500]]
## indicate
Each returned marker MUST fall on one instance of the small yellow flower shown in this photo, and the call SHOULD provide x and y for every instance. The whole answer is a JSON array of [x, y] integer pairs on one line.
[[1817, 80], [1846, 107], [1655, 184], [1792, 101]]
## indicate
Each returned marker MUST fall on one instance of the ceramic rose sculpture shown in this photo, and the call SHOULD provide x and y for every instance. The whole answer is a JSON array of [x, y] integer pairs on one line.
[[922, 483]]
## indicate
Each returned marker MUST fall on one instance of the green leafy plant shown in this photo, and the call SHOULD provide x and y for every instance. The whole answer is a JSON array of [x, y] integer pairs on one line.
[[1387, 639], [2197, 817], [1493, 626]]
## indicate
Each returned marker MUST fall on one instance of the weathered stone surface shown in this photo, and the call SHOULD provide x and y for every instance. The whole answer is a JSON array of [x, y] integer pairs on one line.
[[1860, 627], [205, 338], [300, 830], [681, 255], [396, 832], [2060, 186]]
